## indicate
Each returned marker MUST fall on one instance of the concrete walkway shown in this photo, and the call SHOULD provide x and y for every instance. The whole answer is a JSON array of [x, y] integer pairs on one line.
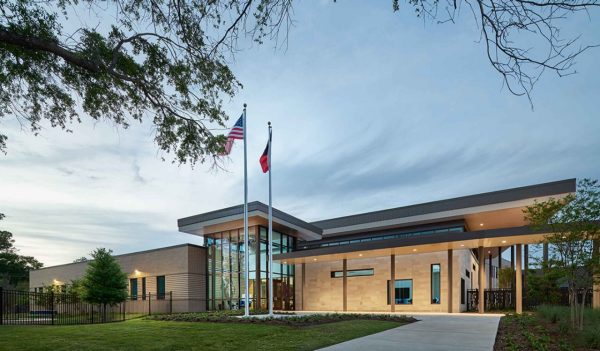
[[442, 332]]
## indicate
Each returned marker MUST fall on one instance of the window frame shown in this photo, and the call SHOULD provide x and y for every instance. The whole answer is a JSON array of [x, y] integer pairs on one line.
[[159, 295], [132, 295], [334, 274], [439, 284], [389, 295]]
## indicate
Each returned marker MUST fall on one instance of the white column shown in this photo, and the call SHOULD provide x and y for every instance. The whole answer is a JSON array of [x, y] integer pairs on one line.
[[519, 282]]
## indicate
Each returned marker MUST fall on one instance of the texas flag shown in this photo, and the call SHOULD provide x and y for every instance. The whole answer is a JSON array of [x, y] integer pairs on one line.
[[264, 159]]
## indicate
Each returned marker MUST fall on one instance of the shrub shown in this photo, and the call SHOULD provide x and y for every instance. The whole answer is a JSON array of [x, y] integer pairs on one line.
[[292, 320]]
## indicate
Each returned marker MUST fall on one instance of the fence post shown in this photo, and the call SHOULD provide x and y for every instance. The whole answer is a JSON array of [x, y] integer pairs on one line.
[[149, 304], [52, 305], [1, 306], [171, 302]]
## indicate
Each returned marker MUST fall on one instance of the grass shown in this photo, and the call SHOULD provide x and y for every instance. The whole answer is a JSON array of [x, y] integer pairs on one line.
[[144, 334], [548, 329]]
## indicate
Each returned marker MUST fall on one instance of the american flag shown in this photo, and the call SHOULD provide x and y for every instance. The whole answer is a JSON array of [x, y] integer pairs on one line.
[[237, 132]]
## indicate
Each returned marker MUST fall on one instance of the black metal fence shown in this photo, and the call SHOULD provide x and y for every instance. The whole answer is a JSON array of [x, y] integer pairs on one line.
[[50, 308], [505, 299]]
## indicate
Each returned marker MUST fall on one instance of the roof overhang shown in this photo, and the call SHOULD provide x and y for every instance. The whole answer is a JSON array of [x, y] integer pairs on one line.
[[258, 214], [492, 238], [498, 209]]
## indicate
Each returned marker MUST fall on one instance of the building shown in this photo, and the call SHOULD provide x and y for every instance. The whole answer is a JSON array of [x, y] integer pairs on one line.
[[423, 257], [171, 278]]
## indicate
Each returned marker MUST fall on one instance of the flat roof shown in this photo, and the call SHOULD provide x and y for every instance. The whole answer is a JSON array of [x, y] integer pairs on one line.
[[330, 226], [196, 224]]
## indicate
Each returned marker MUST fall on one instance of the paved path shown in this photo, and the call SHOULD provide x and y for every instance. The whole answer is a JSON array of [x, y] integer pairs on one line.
[[431, 333]]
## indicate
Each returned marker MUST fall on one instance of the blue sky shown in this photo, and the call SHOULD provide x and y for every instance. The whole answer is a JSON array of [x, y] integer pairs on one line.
[[370, 110]]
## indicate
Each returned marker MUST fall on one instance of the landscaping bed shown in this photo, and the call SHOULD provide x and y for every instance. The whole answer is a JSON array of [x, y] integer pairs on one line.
[[287, 320], [548, 328]]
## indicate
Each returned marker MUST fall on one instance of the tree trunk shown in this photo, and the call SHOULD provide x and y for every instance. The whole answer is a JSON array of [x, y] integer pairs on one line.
[[573, 303], [581, 310]]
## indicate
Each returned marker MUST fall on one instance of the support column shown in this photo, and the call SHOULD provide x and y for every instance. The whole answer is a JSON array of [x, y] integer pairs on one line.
[[392, 283], [490, 270], [545, 254], [519, 283], [345, 278], [512, 266], [499, 259], [450, 272], [525, 267], [481, 281], [596, 286], [303, 283]]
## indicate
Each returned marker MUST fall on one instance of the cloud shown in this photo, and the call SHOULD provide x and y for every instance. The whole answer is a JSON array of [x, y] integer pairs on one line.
[[381, 114]]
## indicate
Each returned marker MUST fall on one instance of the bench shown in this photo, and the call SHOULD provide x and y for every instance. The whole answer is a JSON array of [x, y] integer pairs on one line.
[[43, 312]]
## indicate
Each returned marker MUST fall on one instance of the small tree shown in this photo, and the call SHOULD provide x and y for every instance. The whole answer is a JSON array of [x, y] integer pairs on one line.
[[14, 268], [506, 276], [573, 223], [104, 282]]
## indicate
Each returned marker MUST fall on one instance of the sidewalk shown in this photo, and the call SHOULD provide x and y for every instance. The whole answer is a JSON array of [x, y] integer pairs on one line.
[[444, 332]]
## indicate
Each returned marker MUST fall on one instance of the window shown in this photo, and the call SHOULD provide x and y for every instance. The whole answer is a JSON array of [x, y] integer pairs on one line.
[[468, 274], [463, 291], [402, 291], [435, 283], [160, 287], [133, 288], [143, 288], [353, 273]]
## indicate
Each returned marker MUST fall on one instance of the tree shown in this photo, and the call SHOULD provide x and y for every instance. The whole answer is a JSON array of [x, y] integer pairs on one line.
[[506, 276], [168, 61], [573, 223], [14, 268], [80, 259], [104, 282]]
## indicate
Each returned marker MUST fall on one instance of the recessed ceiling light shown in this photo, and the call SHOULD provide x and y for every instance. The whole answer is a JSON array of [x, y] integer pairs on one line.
[[314, 259], [462, 245], [504, 241], [284, 262], [489, 252], [481, 224], [414, 250], [359, 255]]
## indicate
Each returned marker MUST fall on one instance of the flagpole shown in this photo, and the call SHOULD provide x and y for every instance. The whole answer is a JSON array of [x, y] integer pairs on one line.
[[246, 248], [271, 293]]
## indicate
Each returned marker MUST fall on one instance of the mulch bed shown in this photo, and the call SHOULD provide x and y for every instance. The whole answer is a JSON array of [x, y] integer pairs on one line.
[[530, 332], [292, 320]]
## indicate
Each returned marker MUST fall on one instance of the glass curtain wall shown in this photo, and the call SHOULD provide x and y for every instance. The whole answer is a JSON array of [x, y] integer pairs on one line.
[[226, 284]]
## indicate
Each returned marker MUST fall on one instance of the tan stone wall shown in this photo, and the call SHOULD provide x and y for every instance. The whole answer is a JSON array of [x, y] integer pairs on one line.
[[321, 292], [183, 266], [369, 293]]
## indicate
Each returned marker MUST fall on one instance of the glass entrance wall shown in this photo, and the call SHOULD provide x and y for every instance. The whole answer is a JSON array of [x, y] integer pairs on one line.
[[225, 278]]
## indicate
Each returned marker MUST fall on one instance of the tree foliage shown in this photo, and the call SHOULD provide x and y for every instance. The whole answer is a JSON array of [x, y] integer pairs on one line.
[[168, 61], [14, 268], [573, 224], [104, 282]]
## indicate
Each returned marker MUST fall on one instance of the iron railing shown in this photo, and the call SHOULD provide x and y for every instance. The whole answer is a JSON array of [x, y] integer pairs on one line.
[[505, 299], [51, 308]]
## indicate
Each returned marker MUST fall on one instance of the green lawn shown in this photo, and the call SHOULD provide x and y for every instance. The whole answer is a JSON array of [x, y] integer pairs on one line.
[[142, 334]]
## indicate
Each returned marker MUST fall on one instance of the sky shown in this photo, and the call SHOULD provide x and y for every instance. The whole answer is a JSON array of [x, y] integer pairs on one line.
[[370, 109]]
